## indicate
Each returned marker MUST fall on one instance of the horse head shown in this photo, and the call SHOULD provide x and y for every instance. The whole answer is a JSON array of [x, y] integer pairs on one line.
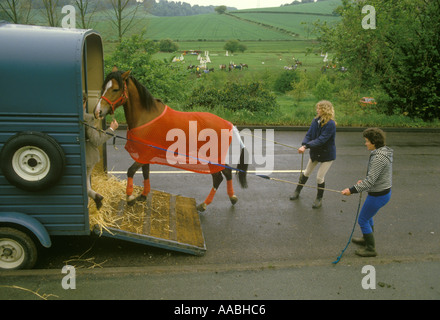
[[114, 93]]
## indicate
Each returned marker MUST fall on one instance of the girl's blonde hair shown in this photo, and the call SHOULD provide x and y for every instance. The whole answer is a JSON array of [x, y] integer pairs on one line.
[[327, 111]]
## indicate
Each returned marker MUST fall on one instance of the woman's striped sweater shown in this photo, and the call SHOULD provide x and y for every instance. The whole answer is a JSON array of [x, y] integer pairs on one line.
[[379, 174]]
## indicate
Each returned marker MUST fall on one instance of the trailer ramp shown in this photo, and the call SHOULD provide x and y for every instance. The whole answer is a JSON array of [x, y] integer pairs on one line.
[[164, 220]]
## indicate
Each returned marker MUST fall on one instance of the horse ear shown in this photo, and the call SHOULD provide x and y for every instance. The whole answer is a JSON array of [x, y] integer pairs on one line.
[[115, 68], [126, 74]]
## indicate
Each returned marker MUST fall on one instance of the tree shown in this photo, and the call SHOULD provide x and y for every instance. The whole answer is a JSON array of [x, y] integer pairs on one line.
[[300, 87], [220, 9], [123, 15], [86, 13], [167, 45], [51, 12], [234, 46], [400, 56], [161, 78], [17, 11]]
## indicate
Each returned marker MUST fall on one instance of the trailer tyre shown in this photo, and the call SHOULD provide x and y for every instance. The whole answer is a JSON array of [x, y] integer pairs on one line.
[[17, 250], [32, 161]]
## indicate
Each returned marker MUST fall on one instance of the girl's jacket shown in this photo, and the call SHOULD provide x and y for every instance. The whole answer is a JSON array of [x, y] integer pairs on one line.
[[321, 141]]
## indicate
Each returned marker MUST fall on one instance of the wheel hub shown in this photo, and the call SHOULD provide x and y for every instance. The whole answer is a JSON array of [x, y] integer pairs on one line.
[[31, 163], [7, 252], [11, 253]]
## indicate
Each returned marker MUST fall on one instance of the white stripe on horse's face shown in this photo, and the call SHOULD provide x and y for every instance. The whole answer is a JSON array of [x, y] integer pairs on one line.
[[98, 105]]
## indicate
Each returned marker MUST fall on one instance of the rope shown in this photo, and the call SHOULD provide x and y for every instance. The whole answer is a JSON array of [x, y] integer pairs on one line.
[[114, 135], [352, 231], [261, 176], [298, 184], [276, 142]]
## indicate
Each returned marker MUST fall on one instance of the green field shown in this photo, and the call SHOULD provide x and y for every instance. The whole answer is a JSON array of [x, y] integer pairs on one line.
[[274, 38], [260, 55], [240, 24], [299, 24], [322, 7]]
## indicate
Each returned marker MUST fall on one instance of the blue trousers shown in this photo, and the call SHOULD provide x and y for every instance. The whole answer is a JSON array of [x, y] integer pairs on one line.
[[369, 209]]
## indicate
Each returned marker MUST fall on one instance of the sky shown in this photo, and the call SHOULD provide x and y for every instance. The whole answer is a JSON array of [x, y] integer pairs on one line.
[[239, 4]]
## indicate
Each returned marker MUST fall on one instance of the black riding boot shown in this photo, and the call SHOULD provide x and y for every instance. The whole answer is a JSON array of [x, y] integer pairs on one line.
[[318, 201], [302, 181]]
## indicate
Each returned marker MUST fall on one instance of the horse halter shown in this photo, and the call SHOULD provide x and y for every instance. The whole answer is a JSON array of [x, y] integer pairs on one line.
[[121, 100]]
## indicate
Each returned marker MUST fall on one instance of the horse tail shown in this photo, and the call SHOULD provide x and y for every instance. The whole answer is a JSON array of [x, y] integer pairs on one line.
[[242, 168]]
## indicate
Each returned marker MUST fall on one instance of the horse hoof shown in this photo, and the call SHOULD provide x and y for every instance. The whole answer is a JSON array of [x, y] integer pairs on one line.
[[233, 199], [141, 198], [131, 200], [201, 207]]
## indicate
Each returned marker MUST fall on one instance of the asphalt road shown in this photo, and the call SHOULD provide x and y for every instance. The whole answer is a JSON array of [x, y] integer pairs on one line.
[[266, 246]]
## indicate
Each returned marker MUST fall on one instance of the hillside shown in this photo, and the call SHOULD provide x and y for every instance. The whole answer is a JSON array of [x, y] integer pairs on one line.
[[279, 23], [290, 22]]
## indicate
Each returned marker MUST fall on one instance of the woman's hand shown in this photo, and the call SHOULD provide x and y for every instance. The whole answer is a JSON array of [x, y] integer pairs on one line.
[[114, 125], [346, 192]]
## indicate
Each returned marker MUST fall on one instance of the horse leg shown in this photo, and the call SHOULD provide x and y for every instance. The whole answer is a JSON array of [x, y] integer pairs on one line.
[[216, 180], [229, 187], [130, 174], [146, 174]]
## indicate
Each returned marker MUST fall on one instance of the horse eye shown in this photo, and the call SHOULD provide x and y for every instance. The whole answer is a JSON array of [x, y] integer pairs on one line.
[[115, 90]]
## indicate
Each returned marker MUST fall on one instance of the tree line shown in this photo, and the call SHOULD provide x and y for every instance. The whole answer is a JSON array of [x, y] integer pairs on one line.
[[397, 58], [121, 13]]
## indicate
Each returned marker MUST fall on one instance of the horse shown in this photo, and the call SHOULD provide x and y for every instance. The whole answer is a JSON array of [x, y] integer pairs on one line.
[[141, 109], [244, 65], [222, 67], [235, 66]]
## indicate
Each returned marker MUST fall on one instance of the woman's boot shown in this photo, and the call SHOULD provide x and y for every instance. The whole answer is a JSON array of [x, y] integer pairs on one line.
[[370, 247], [318, 201], [360, 241], [302, 181]]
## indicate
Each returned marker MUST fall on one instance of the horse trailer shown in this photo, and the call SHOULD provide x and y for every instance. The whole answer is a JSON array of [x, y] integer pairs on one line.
[[43, 190]]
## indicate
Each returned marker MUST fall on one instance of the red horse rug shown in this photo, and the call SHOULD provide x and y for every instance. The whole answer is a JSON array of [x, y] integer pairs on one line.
[[193, 141]]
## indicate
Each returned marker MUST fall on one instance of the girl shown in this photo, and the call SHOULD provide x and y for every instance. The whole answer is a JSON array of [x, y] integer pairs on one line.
[[320, 139]]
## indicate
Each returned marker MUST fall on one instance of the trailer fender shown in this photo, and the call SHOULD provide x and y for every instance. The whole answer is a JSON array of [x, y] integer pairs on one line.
[[28, 222]]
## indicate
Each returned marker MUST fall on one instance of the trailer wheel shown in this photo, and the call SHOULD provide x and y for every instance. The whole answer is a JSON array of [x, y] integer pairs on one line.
[[17, 250], [32, 161]]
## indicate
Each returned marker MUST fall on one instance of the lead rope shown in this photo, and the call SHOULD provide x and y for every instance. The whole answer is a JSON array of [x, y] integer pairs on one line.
[[352, 231], [261, 176], [114, 136]]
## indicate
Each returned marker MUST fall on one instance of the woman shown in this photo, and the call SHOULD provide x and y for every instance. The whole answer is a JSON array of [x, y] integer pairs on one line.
[[320, 139], [94, 139], [378, 184]]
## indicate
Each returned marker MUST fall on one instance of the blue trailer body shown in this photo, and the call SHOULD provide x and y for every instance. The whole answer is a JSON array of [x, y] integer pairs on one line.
[[44, 73], [43, 187]]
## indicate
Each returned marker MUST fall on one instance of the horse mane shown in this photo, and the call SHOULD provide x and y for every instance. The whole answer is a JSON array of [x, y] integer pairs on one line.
[[146, 98]]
